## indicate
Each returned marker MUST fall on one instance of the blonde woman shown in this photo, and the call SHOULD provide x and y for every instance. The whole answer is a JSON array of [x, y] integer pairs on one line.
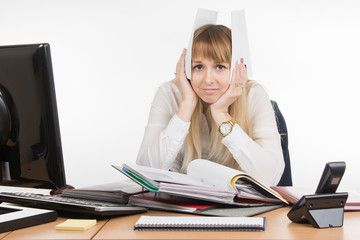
[[211, 117]]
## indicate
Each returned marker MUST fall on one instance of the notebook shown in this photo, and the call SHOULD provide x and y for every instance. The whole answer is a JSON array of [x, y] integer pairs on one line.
[[183, 223]]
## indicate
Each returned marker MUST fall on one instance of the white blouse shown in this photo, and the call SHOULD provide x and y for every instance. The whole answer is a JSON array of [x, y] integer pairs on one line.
[[163, 143]]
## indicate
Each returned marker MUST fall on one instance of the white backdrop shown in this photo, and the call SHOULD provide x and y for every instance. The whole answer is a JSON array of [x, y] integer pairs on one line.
[[109, 57]]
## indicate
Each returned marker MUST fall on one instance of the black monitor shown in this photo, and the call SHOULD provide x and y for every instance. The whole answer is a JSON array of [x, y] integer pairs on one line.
[[30, 144]]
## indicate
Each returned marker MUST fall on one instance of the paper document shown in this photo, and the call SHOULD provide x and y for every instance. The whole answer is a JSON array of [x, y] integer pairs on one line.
[[205, 180]]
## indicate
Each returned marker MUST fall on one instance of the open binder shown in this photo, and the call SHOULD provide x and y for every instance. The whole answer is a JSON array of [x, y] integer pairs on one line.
[[205, 180]]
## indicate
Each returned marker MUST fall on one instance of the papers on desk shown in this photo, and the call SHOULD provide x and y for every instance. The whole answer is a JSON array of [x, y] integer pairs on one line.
[[116, 192], [163, 201], [173, 203], [180, 223], [207, 181]]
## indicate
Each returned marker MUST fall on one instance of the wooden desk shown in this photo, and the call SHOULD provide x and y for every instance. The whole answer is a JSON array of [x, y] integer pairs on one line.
[[278, 226], [47, 231]]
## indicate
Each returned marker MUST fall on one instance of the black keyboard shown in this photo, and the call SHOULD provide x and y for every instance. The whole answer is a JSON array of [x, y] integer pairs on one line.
[[69, 204]]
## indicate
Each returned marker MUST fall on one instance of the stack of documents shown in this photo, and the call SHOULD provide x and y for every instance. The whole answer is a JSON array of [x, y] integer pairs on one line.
[[206, 181]]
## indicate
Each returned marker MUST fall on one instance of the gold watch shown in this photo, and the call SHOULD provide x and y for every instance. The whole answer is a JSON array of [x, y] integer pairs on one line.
[[226, 127]]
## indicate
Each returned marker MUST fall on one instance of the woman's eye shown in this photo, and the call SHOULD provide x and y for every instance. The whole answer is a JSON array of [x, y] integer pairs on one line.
[[220, 67], [198, 67]]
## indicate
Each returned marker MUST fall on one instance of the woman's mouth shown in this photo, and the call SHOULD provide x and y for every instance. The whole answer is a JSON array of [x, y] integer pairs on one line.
[[210, 90]]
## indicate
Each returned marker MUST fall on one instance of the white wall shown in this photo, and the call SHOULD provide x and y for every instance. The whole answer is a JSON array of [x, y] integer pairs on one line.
[[109, 57]]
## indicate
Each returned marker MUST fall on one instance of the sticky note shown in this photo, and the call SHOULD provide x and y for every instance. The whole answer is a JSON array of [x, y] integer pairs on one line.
[[76, 224]]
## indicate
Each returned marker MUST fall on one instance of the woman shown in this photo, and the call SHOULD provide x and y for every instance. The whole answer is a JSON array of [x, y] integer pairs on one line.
[[211, 117]]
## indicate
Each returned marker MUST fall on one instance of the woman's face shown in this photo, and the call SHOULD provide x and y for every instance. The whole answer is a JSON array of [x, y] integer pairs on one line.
[[210, 79]]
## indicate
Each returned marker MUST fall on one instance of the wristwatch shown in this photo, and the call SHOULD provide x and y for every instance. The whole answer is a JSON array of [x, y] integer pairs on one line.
[[226, 127]]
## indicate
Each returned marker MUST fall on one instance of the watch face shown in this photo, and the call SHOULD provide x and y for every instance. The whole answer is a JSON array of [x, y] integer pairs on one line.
[[225, 128]]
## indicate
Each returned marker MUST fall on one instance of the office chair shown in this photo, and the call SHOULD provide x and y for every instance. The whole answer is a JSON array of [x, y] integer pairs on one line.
[[286, 178]]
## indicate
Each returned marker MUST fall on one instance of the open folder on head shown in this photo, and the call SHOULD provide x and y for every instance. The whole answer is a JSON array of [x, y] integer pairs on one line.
[[205, 180], [239, 36]]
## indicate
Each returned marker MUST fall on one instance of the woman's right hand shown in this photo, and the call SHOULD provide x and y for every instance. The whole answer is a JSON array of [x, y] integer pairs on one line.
[[189, 97]]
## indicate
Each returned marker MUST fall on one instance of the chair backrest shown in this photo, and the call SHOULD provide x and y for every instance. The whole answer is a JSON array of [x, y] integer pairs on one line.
[[286, 179]]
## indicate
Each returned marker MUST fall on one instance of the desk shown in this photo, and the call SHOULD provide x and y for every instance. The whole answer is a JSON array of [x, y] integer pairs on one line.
[[47, 231], [278, 226]]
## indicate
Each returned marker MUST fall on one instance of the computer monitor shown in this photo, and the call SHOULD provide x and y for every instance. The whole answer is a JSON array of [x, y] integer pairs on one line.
[[30, 143]]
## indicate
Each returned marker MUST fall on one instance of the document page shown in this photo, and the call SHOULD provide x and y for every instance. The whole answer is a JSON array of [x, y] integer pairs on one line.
[[214, 174], [160, 175]]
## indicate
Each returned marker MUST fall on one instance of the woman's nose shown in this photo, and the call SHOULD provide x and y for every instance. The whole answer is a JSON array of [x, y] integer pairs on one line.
[[209, 77]]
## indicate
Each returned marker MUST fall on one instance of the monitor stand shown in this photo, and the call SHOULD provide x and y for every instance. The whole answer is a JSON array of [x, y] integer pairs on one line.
[[5, 171], [5, 180]]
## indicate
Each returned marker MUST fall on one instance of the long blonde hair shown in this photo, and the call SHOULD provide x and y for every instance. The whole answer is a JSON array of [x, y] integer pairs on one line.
[[214, 42]]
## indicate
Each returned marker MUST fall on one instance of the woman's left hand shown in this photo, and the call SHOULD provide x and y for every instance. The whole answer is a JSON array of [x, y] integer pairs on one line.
[[220, 109]]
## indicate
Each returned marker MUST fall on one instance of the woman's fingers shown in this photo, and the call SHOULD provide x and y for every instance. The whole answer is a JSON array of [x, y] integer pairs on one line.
[[236, 75], [239, 79], [243, 74], [184, 86], [180, 66], [240, 74]]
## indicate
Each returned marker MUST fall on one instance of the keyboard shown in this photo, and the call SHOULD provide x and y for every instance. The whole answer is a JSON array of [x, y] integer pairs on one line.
[[69, 204]]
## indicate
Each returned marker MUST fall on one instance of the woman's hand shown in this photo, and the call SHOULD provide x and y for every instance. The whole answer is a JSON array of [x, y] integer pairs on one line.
[[220, 109], [189, 97]]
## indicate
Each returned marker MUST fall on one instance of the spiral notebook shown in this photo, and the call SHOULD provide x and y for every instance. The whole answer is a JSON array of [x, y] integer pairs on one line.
[[180, 223]]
